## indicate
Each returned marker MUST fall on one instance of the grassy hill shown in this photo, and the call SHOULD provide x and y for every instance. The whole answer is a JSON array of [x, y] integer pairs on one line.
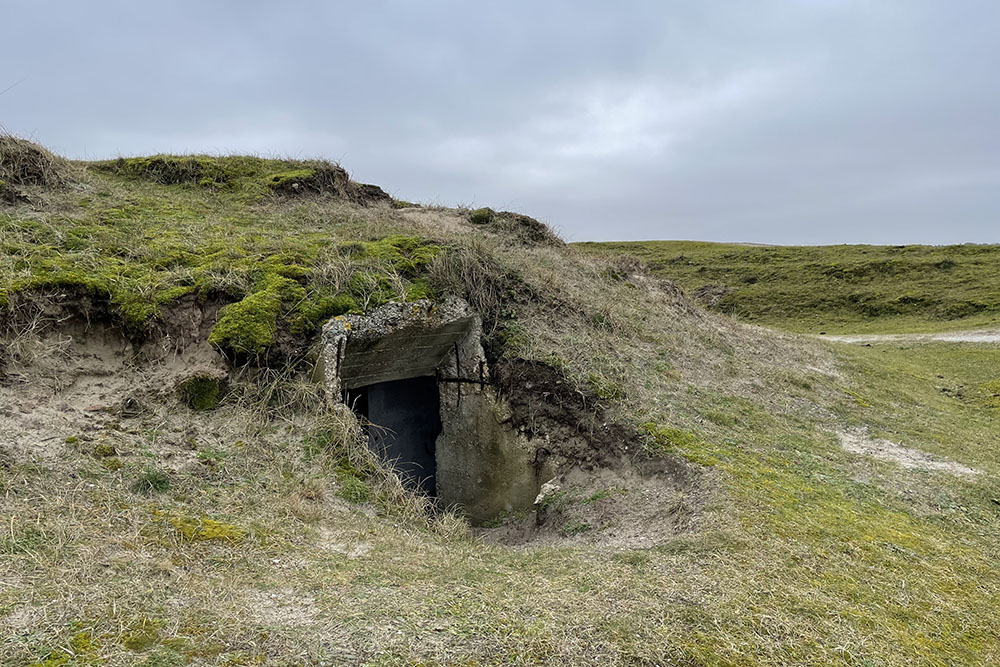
[[767, 498], [847, 288]]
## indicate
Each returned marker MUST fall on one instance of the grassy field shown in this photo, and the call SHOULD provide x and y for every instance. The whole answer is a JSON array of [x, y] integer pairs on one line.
[[135, 530], [837, 289]]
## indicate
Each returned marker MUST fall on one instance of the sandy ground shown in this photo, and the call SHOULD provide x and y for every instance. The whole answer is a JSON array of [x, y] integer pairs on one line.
[[859, 442], [972, 336]]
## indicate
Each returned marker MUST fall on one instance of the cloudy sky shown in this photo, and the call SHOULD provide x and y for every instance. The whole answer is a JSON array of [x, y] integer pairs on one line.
[[778, 121]]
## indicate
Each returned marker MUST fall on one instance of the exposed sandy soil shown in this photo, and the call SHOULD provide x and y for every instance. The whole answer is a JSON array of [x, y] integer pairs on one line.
[[859, 442], [971, 336], [84, 386]]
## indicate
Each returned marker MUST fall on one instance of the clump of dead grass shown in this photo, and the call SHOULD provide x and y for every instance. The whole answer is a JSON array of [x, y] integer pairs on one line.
[[475, 270], [25, 163]]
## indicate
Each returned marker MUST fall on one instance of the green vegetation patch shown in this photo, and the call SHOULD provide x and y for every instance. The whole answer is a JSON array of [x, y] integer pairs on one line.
[[204, 529], [240, 173], [482, 216], [990, 393], [201, 391], [352, 488], [249, 176], [83, 649], [130, 252], [281, 299], [846, 288], [151, 481]]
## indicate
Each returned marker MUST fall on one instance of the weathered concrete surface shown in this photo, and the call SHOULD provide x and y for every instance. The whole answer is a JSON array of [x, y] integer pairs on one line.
[[482, 464]]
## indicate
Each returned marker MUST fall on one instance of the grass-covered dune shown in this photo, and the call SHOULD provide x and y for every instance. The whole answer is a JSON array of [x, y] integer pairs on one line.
[[174, 490], [837, 289]]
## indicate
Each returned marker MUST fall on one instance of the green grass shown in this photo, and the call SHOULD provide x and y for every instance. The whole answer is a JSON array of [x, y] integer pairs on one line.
[[848, 288]]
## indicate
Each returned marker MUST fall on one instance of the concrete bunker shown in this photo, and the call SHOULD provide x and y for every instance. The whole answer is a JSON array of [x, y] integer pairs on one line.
[[417, 374]]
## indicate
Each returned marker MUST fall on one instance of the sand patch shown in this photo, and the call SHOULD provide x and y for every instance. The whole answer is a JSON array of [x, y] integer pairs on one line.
[[859, 442]]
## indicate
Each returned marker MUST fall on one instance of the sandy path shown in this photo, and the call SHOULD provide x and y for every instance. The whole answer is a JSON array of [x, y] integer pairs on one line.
[[972, 336]]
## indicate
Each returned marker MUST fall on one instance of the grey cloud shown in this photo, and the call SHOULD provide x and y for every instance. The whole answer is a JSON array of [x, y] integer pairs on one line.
[[808, 121]]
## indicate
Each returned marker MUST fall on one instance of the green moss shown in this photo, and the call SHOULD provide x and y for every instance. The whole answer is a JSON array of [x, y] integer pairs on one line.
[[204, 529], [604, 388], [291, 178], [83, 649], [143, 635], [201, 391], [406, 255], [669, 440], [249, 327], [104, 449], [310, 314], [989, 393], [481, 216], [113, 464], [247, 176], [231, 172], [134, 257], [419, 289]]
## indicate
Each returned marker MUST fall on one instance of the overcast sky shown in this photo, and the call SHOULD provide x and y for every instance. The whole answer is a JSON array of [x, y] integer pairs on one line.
[[808, 121]]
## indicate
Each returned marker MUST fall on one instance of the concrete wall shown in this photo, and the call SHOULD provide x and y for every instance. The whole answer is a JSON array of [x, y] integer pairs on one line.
[[482, 465]]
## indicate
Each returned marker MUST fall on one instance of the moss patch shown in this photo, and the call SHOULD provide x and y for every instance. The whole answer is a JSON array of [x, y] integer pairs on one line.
[[247, 175], [282, 301], [135, 250], [481, 216], [203, 529], [201, 391], [669, 440], [989, 393]]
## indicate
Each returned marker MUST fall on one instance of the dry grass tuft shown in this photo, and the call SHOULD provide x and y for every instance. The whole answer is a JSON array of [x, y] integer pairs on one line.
[[475, 270], [25, 163]]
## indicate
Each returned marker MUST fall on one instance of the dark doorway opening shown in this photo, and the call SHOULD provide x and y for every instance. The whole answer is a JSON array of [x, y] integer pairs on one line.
[[403, 422]]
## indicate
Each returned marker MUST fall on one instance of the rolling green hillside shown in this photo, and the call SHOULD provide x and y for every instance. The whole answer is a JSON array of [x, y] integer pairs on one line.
[[176, 488], [846, 288]]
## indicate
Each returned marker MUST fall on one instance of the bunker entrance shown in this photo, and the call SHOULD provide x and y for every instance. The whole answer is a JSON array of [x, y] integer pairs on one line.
[[417, 374], [403, 421]]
